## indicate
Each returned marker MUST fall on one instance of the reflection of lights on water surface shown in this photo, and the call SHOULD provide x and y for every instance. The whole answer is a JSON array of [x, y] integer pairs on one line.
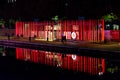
[[3, 53], [100, 73], [56, 58], [66, 61]]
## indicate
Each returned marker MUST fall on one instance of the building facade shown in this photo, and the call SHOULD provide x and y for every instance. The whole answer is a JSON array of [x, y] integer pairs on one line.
[[87, 30]]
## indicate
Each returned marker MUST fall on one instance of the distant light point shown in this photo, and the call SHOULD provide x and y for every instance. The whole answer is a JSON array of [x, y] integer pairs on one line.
[[66, 4]]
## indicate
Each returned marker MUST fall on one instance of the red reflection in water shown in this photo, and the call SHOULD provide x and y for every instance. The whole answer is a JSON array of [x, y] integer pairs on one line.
[[67, 61]]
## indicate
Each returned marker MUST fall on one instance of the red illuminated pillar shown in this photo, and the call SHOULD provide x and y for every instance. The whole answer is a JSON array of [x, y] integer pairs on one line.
[[92, 29], [80, 30], [89, 30], [29, 29], [84, 30], [17, 27], [53, 30], [77, 31], [22, 33], [103, 24], [65, 25], [66, 29]]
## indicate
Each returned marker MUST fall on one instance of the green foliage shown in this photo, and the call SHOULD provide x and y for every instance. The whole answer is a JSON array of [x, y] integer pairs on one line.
[[109, 17], [112, 70], [2, 22], [11, 21], [55, 18]]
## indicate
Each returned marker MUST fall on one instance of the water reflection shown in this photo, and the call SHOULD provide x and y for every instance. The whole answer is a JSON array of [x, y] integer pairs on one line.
[[73, 62], [7, 51]]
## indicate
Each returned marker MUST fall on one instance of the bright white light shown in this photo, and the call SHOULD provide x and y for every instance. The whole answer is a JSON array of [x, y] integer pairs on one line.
[[74, 57], [100, 73], [108, 25], [73, 35]]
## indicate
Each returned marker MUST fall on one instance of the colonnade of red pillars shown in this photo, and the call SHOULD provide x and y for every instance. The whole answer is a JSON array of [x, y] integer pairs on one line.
[[90, 30]]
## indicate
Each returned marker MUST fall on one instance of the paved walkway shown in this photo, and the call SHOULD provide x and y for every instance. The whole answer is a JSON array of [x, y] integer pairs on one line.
[[111, 46]]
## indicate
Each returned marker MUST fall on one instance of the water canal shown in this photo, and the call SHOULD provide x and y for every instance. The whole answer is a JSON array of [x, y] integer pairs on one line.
[[23, 63]]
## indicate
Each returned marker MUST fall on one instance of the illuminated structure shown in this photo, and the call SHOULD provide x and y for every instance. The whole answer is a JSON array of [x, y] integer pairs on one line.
[[112, 31], [73, 62], [89, 30]]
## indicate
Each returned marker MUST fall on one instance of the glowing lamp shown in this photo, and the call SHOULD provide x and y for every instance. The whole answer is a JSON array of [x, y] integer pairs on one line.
[[73, 35], [74, 57], [100, 73]]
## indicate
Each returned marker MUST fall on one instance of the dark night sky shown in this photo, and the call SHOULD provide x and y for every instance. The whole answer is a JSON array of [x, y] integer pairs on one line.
[[28, 9]]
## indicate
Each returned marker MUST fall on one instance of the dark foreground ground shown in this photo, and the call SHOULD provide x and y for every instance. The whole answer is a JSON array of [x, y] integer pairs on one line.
[[12, 69]]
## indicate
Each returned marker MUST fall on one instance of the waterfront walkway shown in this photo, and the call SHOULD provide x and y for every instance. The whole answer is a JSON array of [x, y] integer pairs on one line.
[[111, 46]]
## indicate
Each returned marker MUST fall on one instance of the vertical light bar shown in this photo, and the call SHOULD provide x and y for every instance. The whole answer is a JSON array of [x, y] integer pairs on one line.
[[77, 29], [96, 66], [65, 25], [92, 28], [29, 29], [36, 28], [66, 28], [80, 30], [95, 29], [93, 66], [17, 53], [86, 30], [69, 62], [89, 31], [83, 35], [53, 30], [38, 25], [63, 29], [23, 26], [103, 30], [79, 63], [33, 28], [90, 65], [43, 29], [19, 28], [103, 65], [16, 26]]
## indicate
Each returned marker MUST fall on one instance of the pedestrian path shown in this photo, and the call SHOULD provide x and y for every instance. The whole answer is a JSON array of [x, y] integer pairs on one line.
[[111, 46]]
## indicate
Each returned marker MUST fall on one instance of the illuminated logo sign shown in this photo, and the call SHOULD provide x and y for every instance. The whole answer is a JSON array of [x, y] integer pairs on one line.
[[73, 35], [74, 57]]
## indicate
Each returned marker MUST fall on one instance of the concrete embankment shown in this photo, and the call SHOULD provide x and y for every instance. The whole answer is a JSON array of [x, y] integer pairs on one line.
[[61, 48], [40, 46]]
